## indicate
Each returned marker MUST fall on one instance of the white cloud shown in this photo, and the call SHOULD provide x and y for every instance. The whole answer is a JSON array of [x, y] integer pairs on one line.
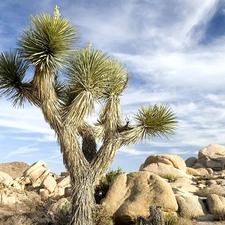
[[134, 152], [22, 151], [26, 120], [217, 99]]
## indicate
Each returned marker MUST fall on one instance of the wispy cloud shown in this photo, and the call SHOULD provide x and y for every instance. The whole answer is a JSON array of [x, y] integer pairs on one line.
[[135, 152], [26, 121], [22, 151], [159, 43]]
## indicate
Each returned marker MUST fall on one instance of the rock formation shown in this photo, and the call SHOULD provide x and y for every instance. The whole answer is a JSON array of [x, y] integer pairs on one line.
[[192, 189], [130, 196]]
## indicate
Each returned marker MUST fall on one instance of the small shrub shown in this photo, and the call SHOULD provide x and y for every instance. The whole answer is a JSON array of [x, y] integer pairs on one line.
[[18, 219], [32, 205], [102, 216], [63, 215], [170, 219], [3, 186], [171, 178], [102, 188]]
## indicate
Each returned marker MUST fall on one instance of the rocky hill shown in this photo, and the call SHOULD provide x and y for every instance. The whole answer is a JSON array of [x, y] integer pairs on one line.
[[14, 169], [193, 191]]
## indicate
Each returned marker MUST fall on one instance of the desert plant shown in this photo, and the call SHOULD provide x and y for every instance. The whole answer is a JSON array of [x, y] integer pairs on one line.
[[102, 188], [170, 219], [102, 216], [171, 177], [91, 76], [63, 215], [3, 186], [19, 219]]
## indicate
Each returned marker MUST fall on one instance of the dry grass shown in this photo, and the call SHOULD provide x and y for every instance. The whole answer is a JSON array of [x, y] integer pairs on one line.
[[170, 219], [102, 216], [171, 177]]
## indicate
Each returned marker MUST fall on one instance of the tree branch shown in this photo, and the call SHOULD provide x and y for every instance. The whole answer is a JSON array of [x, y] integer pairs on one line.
[[44, 88], [89, 146]]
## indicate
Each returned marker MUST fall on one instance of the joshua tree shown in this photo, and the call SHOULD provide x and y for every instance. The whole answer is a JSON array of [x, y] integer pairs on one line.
[[90, 77]]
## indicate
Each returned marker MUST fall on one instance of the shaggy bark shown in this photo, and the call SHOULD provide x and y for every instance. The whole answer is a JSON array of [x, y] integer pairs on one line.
[[82, 199]]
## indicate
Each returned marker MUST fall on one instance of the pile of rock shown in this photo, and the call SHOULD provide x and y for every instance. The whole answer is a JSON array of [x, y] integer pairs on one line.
[[193, 189], [36, 177], [212, 156], [49, 184]]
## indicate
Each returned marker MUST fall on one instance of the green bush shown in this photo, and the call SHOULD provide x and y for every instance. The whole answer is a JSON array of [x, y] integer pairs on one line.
[[171, 178], [103, 186], [170, 219]]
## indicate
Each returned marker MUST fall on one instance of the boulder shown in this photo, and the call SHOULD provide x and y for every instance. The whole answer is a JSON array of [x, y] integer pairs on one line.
[[59, 190], [5, 179], [215, 189], [23, 180], [186, 203], [193, 172], [65, 182], [58, 193], [165, 170], [131, 195], [8, 200], [212, 156], [216, 204], [203, 171], [64, 174], [68, 192], [141, 167], [190, 161], [172, 160], [35, 171], [184, 186], [49, 183], [44, 194], [44, 175]]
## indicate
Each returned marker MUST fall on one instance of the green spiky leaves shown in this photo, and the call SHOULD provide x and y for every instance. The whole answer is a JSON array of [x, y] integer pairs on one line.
[[157, 121], [88, 71], [48, 41], [94, 71], [94, 76], [12, 72]]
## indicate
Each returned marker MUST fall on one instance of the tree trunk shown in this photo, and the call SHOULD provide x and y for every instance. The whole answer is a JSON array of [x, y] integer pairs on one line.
[[82, 199]]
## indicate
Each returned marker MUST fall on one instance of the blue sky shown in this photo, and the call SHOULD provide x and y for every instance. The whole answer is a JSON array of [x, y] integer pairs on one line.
[[174, 51]]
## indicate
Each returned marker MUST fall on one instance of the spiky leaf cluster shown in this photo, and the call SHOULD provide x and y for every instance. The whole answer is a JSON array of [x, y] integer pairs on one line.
[[156, 121], [12, 73], [88, 71], [47, 42]]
